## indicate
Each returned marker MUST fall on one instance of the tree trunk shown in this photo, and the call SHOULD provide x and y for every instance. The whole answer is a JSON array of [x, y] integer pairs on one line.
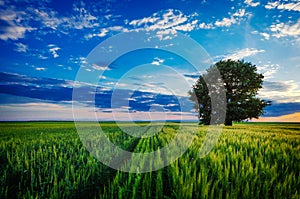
[[228, 122]]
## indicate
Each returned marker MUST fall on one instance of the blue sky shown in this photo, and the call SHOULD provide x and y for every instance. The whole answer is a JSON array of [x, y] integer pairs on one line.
[[45, 43]]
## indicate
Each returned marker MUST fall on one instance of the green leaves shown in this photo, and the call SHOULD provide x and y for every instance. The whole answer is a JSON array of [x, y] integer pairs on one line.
[[241, 82]]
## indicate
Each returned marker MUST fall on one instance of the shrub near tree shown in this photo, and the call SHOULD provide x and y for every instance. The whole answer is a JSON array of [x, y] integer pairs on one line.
[[241, 81]]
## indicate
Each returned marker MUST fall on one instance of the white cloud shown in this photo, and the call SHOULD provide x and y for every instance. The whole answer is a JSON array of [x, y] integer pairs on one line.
[[157, 61], [166, 23], [187, 27], [36, 111], [171, 21], [281, 91], [289, 30], [51, 111], [20, 47], [117, 28], [48, 18], [13, 28], [78, 60], [268, 70], [265, 35], [77, 84], [225, 22], [239, 13], [234, 18], [17, 20], [145, 20], [40, 69], [53, 50], [282, 30], [206, 26], [104, 31], [290, 6], [42, 56], [251, 3], [240, 54], [101, 68], [283, 6], [81, 19], [272, 5], [15, 32]]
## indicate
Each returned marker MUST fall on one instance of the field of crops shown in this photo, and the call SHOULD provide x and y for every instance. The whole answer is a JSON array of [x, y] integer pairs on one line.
[[48, 160]]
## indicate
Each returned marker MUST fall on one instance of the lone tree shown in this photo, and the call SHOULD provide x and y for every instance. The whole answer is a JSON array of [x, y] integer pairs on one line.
[[241, 81]]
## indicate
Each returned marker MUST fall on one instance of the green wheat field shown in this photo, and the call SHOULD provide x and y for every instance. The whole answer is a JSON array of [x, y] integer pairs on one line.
[[250, 160]]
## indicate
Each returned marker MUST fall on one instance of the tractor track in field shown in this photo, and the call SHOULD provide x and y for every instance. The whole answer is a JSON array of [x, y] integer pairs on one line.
[[167, 185], [125, 156], [109, 174]]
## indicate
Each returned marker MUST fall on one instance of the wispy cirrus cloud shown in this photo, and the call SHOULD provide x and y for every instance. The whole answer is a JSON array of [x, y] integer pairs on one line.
[[240, 54], [80, 19], [101, 68], [20, 47]]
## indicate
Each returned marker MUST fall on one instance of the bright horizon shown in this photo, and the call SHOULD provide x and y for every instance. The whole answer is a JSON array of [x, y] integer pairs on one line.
[[45, 44]]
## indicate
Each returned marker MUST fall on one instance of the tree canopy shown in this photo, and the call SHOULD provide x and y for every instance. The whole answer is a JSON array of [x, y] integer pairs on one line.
[[241, 81]]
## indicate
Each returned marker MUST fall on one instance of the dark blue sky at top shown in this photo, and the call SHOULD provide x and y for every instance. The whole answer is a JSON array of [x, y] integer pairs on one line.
[[43, 45]]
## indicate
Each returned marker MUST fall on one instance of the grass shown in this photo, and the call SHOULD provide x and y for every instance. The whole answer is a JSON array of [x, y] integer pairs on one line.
[[48, 160]]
